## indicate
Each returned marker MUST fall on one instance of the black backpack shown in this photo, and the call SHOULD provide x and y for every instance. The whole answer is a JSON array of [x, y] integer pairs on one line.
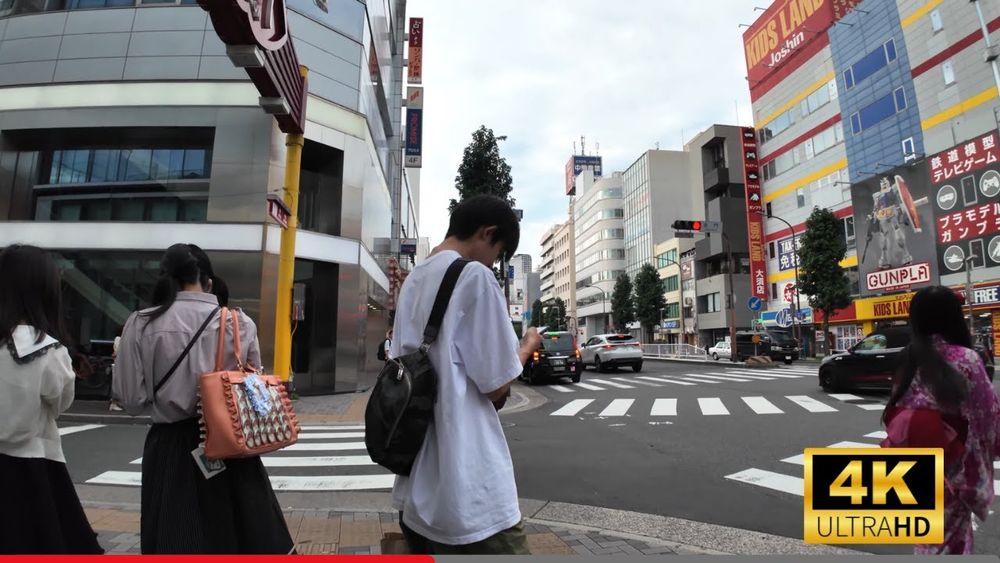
[[381, 350], [401, 406]]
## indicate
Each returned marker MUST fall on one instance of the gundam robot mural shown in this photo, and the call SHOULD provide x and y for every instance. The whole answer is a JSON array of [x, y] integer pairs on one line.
[[893, 217]]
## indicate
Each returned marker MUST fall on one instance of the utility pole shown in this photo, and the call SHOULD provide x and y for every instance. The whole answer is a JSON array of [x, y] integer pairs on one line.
[[991, 54], [968, 294]]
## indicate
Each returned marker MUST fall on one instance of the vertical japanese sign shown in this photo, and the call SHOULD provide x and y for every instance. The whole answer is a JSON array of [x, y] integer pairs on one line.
[[965, 183], [894, 224], [415, 71], [755, 222], [414, 126]]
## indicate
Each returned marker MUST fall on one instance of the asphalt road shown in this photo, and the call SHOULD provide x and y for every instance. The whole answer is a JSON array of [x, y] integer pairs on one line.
[[707, 442]]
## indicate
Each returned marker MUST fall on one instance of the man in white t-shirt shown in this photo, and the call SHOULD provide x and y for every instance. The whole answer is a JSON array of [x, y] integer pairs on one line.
[[460, 497]]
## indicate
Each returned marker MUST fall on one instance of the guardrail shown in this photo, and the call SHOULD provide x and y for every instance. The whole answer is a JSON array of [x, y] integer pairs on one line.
[[677, 351]]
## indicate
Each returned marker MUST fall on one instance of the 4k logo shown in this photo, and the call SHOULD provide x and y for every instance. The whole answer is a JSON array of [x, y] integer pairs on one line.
[[893, 495]]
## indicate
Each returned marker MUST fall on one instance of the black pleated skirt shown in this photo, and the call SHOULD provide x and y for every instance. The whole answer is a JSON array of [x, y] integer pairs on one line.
[[41, 512], [234, 512]]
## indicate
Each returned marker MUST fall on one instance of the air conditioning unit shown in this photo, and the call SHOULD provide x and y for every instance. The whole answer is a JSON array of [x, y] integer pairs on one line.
[[688, 302]]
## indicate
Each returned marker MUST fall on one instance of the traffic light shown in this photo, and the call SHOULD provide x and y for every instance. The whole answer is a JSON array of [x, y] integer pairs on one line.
[[696, 226]]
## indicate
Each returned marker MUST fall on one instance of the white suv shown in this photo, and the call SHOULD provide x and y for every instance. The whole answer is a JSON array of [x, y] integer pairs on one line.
[[612, 350]]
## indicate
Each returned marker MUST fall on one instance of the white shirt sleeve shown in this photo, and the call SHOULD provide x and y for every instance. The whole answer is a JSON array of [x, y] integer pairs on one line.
[[485, 341], [58, 381]]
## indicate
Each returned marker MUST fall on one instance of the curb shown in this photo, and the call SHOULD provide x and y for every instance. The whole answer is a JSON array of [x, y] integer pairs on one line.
[[104, 418]]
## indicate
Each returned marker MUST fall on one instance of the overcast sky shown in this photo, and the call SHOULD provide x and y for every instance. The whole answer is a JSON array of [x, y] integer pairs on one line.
[[544, 72]]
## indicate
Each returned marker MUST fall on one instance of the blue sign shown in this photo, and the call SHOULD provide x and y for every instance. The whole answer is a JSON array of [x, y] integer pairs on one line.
[[755, 303], [672, 324], [783, 318], [414, 137], [526, 316], [510, 272]]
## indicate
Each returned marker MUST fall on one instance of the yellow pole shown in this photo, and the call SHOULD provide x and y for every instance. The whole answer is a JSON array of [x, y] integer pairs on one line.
[[286, 260]]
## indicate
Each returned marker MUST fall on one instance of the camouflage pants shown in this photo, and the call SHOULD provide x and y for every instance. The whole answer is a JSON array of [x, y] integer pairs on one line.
[[511, 541]]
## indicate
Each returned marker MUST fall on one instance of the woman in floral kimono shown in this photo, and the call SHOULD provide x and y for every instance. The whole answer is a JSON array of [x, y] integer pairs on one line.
[[941, 371]]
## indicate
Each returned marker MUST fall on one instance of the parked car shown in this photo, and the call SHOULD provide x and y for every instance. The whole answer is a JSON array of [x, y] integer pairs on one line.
[[872, 362], [556, 357], [778, 345], [612, 350], [720, 350]]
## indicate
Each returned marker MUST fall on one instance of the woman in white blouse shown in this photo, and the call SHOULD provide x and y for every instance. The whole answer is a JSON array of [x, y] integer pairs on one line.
[[42, 512]]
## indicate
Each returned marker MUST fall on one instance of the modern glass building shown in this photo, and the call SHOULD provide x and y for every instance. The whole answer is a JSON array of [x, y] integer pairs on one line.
[[125, 128]]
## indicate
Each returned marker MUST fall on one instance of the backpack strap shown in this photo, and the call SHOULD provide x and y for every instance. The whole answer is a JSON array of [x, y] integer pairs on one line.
[[441, 302], [187, 349]]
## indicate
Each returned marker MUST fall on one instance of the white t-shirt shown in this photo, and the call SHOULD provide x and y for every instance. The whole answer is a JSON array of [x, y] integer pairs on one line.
[[461, 489]]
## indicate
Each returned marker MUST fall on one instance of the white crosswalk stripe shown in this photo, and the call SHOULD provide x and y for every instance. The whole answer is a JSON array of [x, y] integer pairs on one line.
[[810, 404], [561, 388], [740, 376], [354, 471], [65, 431], [725, 377], [573, 407], [618, 407], [760, 405], [588, 387], [711, 406], [664, 407], [801, 458], [766, 373], [696, 379], [637, 382], [770, 480], [865, 404], [880, 435], [662, 380], [612, 384]]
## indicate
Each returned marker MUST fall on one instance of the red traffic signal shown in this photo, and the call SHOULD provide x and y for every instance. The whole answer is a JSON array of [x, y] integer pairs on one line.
[[687, 225]]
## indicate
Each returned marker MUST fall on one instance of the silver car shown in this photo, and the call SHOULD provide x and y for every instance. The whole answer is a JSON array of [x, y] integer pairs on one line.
[[612, 350]]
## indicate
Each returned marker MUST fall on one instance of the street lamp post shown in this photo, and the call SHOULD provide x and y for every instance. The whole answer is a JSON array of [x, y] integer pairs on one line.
[[732, 296], [796, 304], [604, 304]]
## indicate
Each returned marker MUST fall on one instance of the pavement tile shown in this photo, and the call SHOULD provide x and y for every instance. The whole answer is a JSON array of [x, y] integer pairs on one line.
[[637, 544], [607, 551], [630, 550], [615, 543], [582, 550], [391, 528], [360, 533], [318, 530], [589, 543], [657, 550]]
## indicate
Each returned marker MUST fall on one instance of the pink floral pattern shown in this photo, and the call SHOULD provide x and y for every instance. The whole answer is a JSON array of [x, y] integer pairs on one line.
[[969, 487]]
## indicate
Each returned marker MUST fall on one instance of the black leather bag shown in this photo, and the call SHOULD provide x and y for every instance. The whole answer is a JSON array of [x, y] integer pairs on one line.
[[401, 406]]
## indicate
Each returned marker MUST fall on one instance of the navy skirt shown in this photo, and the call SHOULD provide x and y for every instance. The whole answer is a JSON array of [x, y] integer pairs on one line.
[[234, 512], [41, 511]]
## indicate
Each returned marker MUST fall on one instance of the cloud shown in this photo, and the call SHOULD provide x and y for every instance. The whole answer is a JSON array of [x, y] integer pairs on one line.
[[625, 75]]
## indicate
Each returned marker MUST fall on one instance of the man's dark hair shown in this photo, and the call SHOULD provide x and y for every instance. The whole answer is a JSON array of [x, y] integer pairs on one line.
[[486, 211]]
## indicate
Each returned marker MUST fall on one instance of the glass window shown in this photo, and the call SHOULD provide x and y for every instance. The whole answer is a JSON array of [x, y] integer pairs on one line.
[[908, 147], [855, 123], [871, 63], [128, 210], [881, 109], [948, 68], [138, 163], [849, 78], [800, 197], [900, 96], [672, 311], [890, 50], [873, 342], [671, 283]]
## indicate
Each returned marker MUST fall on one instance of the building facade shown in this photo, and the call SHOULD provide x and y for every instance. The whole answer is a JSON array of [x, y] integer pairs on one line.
[[860, 106], [520, 267], [668, 264], [600, 254], [655, 186], [124, 128]]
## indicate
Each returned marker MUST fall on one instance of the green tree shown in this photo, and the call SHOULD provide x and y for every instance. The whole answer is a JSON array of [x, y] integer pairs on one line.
[[555, 315], [483, 170], [622, 303], [649, 299], [820, 274], [536, 313]]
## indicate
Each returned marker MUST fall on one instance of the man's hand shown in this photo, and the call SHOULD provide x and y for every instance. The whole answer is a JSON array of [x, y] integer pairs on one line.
[[529, 343]]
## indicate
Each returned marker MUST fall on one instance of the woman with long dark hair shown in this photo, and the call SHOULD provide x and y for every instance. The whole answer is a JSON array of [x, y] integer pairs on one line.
[[940, 371], [42, 511], [162, 354]]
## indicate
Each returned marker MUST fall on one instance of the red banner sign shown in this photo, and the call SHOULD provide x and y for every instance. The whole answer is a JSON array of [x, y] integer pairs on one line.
[[755, 222], [414, 70], [970, 157]]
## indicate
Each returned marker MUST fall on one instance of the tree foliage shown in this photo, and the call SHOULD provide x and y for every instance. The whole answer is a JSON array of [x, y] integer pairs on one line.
[[483, 170], [536, 313], [649, 299], [622, 303], [555, 315], [820, 275]]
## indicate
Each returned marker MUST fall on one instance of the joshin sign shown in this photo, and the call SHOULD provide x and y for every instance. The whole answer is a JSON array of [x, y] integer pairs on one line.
[[894, 224]]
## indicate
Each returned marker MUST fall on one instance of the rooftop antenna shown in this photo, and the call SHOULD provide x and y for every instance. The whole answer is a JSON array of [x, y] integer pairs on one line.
[[574, 147], [657, 145], [598, 149], [583, 145]]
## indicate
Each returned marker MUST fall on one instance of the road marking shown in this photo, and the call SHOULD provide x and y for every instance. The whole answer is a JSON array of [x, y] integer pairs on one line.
[[279, 483], [696, 380], [803, 371], [760, 405], [74, 429], [309, 461], [712, 406], [324, 446], [722, 377], [612, 383], [561, 388], [847, 398], [871, 406], [996, 464], [588, 387], [637, 382], [810, 404], [880, 435], [331, 428], [330, 435], [664, 407], [661, 380], [125, 478], [741, 376], [763, 373], [573, 407], [801, 458], [618, 407], [770, 480]]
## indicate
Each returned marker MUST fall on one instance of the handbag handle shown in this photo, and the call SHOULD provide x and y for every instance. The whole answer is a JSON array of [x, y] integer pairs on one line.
[[237, 348]]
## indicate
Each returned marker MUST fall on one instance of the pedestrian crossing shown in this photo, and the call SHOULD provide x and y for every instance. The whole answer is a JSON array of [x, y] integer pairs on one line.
[[326, 458], [713, 375], [712, 406], [67, 430]]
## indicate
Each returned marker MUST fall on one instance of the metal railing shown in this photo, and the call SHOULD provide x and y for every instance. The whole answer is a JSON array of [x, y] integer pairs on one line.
[[677, 351]]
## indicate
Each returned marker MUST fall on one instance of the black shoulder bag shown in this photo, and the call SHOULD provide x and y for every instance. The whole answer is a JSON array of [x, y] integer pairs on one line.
[[401, 406], [187, 349]]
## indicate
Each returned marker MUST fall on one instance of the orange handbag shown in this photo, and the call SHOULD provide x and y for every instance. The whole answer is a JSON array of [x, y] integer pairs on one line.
[[233, 423]]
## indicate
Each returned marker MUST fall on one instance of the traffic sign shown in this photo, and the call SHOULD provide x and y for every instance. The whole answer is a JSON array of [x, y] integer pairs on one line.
[[783, 318], [755, 303]]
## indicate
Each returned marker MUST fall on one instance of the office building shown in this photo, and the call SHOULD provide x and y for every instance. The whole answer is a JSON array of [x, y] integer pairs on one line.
[[600, 249], [125, 127]]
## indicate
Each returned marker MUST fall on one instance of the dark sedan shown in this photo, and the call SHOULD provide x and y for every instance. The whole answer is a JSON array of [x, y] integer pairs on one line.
[[557, 357], [871, 363]]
